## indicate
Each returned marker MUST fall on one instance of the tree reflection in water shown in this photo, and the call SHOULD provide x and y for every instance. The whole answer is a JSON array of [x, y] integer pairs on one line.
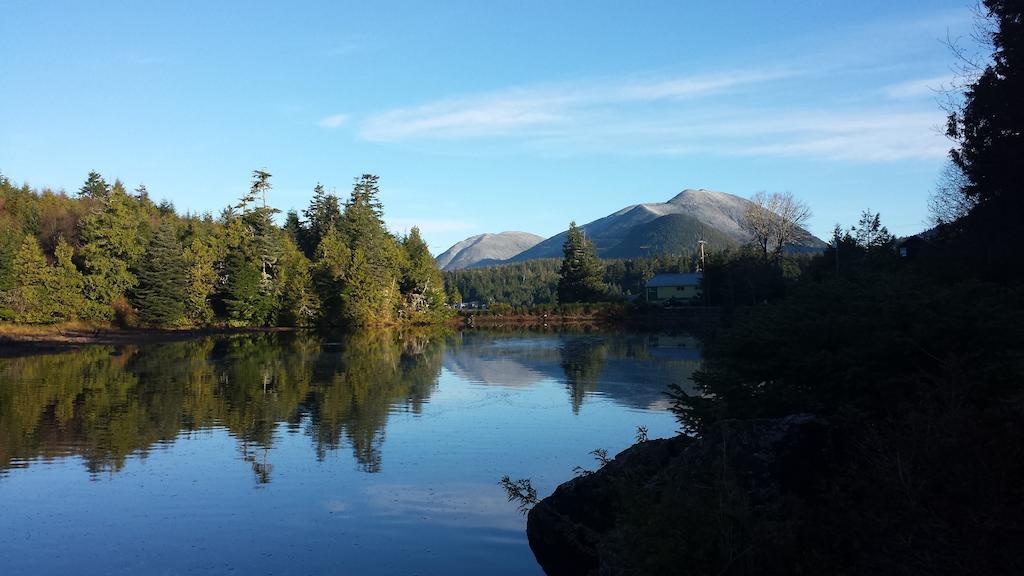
[[105, 404]]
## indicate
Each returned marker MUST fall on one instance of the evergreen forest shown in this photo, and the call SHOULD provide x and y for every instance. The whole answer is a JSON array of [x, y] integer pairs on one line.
[[107, 254]]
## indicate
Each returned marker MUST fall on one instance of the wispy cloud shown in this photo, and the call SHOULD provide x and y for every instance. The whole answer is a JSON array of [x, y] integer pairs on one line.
[[333, 121], [676, 116], [512, 111], [849, 135], [870, 137], [920, 87], [837, 102]]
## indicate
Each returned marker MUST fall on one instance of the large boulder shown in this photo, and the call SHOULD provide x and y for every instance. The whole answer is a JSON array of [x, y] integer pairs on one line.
[[680, 505]]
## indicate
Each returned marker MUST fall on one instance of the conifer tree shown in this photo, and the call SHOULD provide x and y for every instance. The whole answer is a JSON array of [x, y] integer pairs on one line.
[[294, 229], [989, 130], [258, 217], [362, 296], [95, 187], [160, 295], [422, 284], [243, 301], [329, 274], [111, 247], [371, 293], [297, 303], [323, 214], [200, 281], [30, 298], [249, 289], [580, 277], [67, 285]]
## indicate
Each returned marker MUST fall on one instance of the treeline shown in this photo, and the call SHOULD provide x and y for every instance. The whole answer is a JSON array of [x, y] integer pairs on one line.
[[535, 282], [107, 254]]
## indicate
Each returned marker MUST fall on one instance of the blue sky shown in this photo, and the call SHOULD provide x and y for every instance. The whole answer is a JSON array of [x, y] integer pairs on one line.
[[486, 116]]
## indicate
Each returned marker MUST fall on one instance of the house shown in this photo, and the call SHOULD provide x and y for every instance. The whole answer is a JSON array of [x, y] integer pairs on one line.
[[918, 245], [674, 288]]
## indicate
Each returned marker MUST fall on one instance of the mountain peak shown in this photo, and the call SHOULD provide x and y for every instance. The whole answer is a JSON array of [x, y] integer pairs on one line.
[[486, 247], [696, 194]]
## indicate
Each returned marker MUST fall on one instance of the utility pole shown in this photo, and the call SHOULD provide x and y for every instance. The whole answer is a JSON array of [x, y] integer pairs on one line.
[[835, 244]]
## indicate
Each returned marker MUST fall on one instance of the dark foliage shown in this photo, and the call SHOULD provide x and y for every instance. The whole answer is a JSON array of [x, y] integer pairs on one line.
[[580, 276], [160, 294], [989, 130]]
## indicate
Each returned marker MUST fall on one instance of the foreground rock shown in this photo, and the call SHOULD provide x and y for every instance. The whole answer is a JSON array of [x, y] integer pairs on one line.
[[679, 505]]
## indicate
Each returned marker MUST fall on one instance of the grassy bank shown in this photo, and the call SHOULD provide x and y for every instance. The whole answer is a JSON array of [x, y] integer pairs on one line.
[[19, 338]]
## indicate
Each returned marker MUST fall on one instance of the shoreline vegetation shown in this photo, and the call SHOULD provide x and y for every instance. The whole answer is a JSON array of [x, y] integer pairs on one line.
[[20, 339]]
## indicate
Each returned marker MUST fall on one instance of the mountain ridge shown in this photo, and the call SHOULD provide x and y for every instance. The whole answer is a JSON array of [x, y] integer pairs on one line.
[[486, 247], [655, 227]]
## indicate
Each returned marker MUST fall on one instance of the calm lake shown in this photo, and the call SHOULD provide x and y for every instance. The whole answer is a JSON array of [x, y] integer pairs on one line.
[[377, 453]]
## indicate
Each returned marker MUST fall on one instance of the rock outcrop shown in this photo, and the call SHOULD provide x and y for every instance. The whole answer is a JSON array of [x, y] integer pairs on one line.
[[679, 505]]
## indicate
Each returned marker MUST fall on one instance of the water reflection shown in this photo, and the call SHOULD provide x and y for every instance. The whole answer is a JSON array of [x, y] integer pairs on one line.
[[376, 453], [105, 404], [634, 370]]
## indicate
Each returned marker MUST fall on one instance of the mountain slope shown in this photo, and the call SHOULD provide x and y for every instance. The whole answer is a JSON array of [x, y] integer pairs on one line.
[[669, 234], [719, 215], [486, 247]]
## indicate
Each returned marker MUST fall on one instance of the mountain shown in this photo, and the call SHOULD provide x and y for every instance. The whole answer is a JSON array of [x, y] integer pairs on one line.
[[668, 234], [643, 229], [486, 248]]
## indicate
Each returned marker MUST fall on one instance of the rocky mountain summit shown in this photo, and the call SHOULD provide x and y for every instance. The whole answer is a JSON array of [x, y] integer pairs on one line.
[[486, 248]]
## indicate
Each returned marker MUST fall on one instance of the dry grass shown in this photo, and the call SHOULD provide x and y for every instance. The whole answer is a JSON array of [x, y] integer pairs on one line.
[[12, 330]]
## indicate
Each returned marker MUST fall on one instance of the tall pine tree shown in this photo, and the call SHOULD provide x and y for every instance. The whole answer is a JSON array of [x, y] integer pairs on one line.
[[330, 268], [200, 281], [323, 214], [30, 298], [111, 247], [422, 284], [67, 284], [160, 295], [371, 294], [989, 128], [580, 278]]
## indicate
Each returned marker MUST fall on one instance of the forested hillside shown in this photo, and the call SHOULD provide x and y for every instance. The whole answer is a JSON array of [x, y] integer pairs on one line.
[[536, 281], [110, 254]]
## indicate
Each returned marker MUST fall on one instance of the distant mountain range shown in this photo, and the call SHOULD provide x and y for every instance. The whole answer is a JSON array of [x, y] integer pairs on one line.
[[640, 230], [486, 249]]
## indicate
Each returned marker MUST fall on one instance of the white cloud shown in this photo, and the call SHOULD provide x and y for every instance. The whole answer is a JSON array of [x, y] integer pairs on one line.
[[333, 121], [517, 110], [835, 102], [672, 116], [462, 503], [860, 136], [920, 87]]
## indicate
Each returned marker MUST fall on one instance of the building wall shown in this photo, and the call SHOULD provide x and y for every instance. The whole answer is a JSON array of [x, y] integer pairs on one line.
[[665, 293]]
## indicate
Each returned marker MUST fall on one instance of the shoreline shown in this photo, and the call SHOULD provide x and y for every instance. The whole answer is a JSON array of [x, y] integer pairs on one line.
[[693, 318], [21, 339]]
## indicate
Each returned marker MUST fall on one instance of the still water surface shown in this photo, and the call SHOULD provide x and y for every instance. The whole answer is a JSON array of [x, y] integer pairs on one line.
[[376, 453]]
